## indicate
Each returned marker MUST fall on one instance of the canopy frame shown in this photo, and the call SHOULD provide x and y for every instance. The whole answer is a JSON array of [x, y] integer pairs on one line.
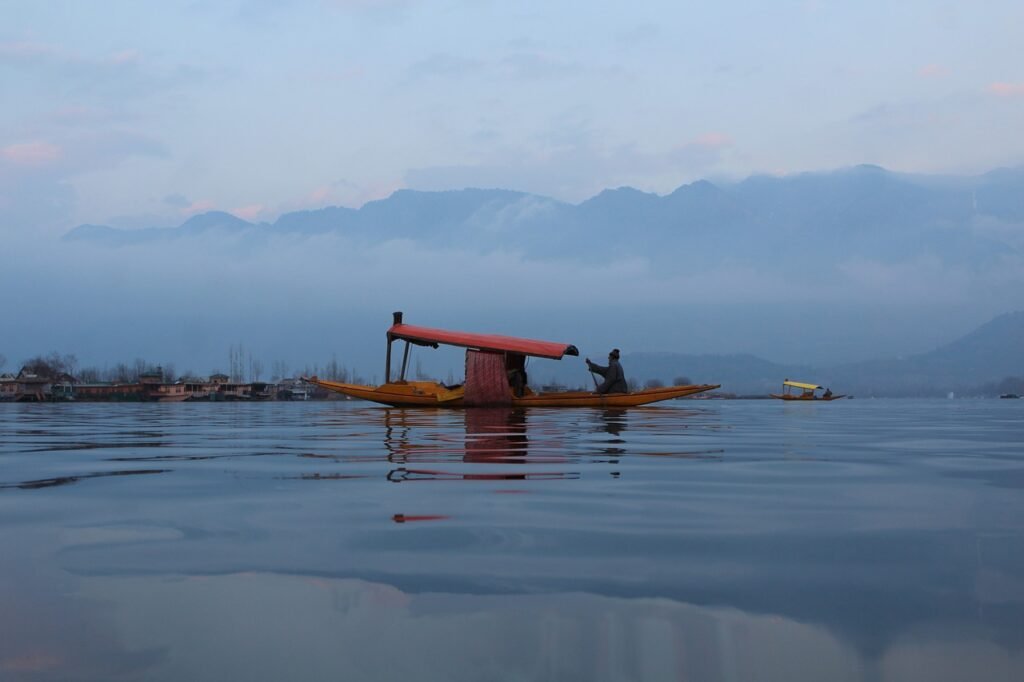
[[425, 336]]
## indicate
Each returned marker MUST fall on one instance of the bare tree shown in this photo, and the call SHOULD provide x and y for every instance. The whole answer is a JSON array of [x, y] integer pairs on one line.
[[255, 369], [51, 365], [119, 373], [89, 375], [236, 363], [654, 383], [682, 381], [336, 371], [3, 360]]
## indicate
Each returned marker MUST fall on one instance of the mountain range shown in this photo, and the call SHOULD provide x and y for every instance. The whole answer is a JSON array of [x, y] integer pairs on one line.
[[808, 221]]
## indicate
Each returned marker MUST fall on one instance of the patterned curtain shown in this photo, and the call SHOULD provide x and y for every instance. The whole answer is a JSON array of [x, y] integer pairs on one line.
[[486, 380]]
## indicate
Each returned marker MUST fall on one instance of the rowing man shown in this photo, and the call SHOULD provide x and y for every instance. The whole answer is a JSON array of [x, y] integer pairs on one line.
[[614, 377]]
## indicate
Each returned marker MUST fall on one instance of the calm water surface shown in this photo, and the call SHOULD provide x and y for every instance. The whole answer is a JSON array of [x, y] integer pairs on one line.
[[700, 540]]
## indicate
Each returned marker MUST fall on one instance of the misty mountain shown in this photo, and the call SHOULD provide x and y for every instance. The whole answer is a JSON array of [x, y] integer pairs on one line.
[[810, 221], [195, 226], [987, 355]]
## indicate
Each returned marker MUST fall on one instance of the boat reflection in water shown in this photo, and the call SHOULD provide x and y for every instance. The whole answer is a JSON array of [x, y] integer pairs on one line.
[[496, 435], [493, 436]]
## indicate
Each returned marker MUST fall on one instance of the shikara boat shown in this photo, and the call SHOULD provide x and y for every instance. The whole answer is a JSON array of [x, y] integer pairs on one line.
[[806, 392], [492, 364]]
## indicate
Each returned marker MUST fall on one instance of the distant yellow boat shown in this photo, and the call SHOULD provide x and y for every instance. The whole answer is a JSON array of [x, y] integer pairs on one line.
[[807, 392], [491, 360]]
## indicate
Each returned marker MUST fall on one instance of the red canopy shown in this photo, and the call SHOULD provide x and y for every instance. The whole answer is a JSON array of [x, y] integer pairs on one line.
[[491, 342]]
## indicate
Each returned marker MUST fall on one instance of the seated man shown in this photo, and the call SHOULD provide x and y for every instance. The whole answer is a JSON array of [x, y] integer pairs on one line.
[[614, 377], [515, 366]]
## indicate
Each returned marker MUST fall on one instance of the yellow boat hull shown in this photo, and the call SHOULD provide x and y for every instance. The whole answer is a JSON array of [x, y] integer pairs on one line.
[[820, 399], [432, 394]]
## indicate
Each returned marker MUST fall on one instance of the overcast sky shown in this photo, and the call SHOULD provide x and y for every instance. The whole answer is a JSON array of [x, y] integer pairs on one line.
[[139, 113]]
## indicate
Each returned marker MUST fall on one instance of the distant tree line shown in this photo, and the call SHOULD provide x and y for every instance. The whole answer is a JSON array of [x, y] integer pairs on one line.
[[658, 383], [243, 367]]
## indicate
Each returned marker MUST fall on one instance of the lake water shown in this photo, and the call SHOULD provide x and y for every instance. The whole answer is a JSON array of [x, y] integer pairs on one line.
[[697, 540]]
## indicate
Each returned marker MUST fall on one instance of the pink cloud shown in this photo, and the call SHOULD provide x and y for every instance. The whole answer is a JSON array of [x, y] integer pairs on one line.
[[933, 71], [713, 140], [31, 153], [1006, 89], [345, 194], [248, 212], [318, 196], [198, 207]]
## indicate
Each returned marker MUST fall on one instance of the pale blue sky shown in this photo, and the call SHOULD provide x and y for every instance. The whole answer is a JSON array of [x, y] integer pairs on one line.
[[142, 113]]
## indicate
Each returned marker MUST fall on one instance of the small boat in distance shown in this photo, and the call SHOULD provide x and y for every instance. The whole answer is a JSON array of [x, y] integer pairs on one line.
[[806, 392], [495, 375]]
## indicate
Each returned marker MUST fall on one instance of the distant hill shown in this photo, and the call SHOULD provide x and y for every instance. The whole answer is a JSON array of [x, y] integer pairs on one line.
[[989, 354], [743, 374]]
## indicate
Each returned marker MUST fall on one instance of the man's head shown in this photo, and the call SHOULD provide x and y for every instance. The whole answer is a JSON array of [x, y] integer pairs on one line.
[[614, 355]]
